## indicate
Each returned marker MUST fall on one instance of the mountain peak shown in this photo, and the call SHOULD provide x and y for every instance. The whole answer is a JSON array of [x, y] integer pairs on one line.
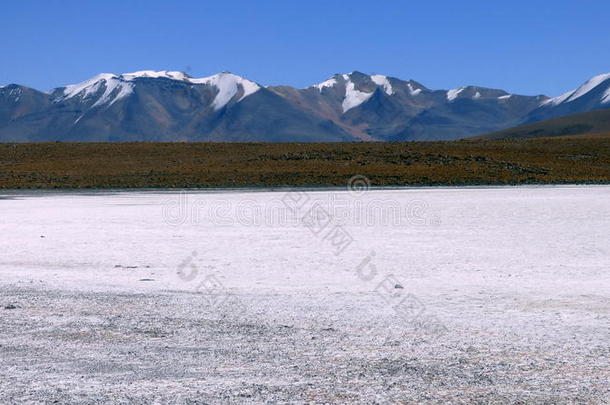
[[327, 83], [153, 74], [116, 87], [171, 105], [359, 87], [228, 86], [584, 89], [476, 92], [454, 93], [383, 81], [12, 91]]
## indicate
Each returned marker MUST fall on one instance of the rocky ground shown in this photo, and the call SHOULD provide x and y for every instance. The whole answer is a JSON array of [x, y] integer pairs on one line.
[[582, 160], [72, 347]]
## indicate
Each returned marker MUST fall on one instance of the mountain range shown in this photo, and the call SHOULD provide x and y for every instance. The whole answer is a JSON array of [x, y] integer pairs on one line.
[[152, 106]]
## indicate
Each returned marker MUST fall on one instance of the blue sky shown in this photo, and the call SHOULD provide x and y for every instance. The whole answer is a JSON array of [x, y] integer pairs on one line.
[[528, 47]]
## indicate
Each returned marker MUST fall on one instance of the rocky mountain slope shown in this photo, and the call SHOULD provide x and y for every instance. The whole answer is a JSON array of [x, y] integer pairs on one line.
[[151, 106], [594, 94]]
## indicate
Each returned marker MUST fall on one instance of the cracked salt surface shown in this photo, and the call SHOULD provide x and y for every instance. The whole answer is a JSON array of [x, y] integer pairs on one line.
[[518, 276]]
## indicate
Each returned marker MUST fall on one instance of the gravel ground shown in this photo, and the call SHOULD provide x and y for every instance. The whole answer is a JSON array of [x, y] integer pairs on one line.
[[172, 348]]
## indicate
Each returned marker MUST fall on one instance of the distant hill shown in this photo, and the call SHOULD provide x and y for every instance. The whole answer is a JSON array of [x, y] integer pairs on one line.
[[588, 123]]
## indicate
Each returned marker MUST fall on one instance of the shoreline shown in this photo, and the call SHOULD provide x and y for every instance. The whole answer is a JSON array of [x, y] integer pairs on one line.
[[265, 189]]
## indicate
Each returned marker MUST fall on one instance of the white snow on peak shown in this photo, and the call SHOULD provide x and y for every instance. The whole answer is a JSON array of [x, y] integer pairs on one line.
[[328, 83], [413, 90], [381, 80], [477, 95], [505, 97], [88, 86], [558, 100], [353, 98], [581, 91], [156, 75], [115, 88], [228, 86], [452, 94], [589, 85], [110, 96]]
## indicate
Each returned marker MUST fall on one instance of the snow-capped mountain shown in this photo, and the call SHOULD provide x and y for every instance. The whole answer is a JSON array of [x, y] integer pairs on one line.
[[107, 88], [594, 94], [160, 106], [599, 87], [378, 107], [172, 106]]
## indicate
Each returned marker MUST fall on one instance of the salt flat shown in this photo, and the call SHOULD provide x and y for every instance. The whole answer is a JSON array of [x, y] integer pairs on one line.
[[461, 295]]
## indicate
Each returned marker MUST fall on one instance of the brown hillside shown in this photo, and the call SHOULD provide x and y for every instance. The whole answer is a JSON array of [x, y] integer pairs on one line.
[[126, 165], [592, 122]]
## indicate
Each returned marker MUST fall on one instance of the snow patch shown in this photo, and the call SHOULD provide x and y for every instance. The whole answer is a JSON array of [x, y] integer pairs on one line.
[[115, 88], [228, 86], [452, 94], [581, 91], [413, 90], [506, 97], [165, 74], [558, 100], [381, 80], [328, 83], [87, 87], [606, 96], [15, 94], [477, 95], [353, 97]]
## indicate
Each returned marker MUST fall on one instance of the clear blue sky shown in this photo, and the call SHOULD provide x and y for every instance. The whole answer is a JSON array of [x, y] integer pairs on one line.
[[529, 47]]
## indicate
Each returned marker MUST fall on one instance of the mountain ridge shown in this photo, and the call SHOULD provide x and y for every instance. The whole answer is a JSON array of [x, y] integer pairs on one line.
[[173, 106]]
